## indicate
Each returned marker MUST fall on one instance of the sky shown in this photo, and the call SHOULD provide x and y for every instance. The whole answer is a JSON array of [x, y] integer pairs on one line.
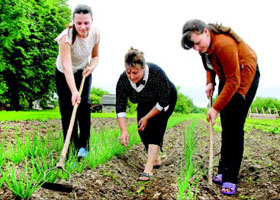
[[155, 27]]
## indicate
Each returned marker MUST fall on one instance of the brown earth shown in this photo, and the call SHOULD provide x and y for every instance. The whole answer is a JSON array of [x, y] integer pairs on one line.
[[117, 179]]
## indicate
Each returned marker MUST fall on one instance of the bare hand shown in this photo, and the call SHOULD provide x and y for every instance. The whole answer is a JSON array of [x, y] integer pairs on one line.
[[142, 124], [87, 71], [212, 115], [76, 98], [125, 139], [209, 90]]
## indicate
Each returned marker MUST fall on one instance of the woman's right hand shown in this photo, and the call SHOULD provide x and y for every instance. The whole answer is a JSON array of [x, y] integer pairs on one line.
[[209, 90], [76, 98], [125, 138]]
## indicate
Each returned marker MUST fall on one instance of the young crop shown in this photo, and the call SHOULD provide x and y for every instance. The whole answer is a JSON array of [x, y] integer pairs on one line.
[[39, 154], [37, 146], [188, 170], [24, 183], [105, 144], [16, 152]]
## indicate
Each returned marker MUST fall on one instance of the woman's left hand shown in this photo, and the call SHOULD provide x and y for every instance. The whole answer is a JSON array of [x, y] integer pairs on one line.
[[143, 122], [212, 115], [87, 71]]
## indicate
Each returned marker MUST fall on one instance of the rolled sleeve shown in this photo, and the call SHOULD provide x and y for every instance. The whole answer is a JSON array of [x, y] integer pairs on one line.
[[121, 114], [160, 108]]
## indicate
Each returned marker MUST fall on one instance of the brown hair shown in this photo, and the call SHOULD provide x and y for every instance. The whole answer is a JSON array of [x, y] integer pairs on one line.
[[196, 25], [134, 57], [79, 9]]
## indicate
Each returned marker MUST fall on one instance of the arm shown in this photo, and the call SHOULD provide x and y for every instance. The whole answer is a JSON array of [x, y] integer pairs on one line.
[[210, 89], [93, 62], [124, 133], [121, 103], [229, 61], [144, 120], [163, 96], [231, 69], [65, 54]]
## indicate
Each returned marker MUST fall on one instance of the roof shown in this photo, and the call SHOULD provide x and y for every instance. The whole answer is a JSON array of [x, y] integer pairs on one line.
[[108, 99]]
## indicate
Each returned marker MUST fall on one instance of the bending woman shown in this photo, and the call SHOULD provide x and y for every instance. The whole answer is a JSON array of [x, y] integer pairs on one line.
[[78, 56], [225, 54], [147, 85]]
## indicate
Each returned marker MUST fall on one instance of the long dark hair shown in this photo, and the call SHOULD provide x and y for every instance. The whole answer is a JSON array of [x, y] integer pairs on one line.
[[198, 26], [134, 57], [79, 9]]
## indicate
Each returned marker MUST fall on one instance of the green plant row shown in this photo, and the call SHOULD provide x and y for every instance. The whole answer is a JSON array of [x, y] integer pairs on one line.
[[186, 188], [37, 154]]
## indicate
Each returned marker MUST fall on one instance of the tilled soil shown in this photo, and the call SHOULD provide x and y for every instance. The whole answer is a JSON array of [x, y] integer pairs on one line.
[[117, 179]]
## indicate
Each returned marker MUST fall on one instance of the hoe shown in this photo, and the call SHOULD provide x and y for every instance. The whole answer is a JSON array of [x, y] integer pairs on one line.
[[60, 164]]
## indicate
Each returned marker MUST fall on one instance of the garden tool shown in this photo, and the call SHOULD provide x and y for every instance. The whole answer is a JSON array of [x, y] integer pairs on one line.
[[60, 164], [210, 168]]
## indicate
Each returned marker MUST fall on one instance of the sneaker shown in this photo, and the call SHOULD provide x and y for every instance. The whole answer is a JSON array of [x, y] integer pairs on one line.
[[82, 152]]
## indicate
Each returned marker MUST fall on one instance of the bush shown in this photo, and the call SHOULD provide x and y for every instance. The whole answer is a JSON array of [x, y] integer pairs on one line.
[[184, 104], [266, 104], [96, 94]]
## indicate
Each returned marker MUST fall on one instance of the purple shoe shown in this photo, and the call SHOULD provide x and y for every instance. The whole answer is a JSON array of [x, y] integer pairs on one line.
[[229, 186], [218, 179]]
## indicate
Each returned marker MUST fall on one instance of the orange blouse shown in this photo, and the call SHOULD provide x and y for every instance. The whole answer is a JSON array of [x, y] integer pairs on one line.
[[234, 63]]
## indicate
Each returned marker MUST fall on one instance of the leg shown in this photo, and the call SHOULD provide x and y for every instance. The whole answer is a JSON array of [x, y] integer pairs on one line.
[[153, 156], [83, 115], [65, 104], [232, 139], [234, 119]]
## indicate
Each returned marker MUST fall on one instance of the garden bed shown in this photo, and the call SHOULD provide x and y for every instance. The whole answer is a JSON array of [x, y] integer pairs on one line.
[[117, 178]]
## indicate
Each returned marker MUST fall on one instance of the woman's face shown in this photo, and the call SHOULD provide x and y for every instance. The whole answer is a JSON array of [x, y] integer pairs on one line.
[[82, 24], [201, 41], [135, 73]]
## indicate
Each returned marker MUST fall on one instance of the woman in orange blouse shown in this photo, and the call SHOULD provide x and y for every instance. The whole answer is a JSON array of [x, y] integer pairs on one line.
[[226, 55]]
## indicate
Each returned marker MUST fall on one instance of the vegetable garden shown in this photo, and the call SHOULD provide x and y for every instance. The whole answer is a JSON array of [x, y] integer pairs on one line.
[[31, 143]]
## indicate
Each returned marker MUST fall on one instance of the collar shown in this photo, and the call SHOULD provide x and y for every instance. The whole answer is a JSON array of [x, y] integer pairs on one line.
[[145, 78]]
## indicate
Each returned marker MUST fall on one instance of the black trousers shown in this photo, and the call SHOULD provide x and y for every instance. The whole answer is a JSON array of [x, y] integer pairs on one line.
[[83, 112], [233, 118]]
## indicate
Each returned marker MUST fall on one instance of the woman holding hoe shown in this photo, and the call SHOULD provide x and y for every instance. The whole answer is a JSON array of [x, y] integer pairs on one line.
[[147, 85], [225, 54], [78, 57]]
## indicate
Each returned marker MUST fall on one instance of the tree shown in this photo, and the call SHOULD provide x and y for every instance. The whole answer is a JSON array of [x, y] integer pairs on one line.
[[28, 50], [184, 103]]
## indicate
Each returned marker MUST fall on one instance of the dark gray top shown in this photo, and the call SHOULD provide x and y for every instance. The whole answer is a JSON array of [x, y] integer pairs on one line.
[[155, 92]]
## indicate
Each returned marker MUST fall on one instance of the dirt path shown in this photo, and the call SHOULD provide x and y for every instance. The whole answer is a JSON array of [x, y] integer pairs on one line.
[[259, 175]]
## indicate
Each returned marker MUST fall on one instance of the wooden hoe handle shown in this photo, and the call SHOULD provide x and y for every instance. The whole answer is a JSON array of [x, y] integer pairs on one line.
[[60, 163], [210, 168]]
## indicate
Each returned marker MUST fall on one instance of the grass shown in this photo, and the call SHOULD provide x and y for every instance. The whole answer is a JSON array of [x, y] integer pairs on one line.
[[44, 115], [264, 125]]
